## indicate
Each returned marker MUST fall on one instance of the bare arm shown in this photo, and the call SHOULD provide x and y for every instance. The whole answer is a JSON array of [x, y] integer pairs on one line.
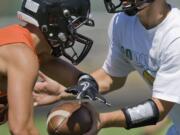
[[49, 91], [60, 70], [22, 73], [68, 75], [107, 82]]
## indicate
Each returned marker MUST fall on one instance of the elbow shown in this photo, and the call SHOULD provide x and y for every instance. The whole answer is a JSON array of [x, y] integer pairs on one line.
[[164, 107]]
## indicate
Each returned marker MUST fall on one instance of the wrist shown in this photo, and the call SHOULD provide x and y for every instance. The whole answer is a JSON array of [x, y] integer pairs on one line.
[[87, 77]]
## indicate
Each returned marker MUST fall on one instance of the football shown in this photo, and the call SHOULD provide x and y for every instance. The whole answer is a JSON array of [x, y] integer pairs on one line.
[[69, 118]]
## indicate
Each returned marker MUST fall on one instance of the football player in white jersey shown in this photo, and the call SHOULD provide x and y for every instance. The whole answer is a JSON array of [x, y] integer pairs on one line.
[[144, 36]]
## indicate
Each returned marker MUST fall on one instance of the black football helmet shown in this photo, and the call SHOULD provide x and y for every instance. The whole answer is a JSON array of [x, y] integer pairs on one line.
[[59, 21], [130, 8]]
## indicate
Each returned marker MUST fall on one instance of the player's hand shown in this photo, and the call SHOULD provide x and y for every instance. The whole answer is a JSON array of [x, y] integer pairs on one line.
[[47, 85], [87, 88], [47, 91], [44, 99], [96, 124]]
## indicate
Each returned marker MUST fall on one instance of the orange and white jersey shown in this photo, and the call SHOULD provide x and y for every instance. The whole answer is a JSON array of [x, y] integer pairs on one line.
[[11, 35]]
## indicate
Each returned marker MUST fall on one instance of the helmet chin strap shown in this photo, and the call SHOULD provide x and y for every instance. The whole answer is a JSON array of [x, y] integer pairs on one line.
[[130, 10]]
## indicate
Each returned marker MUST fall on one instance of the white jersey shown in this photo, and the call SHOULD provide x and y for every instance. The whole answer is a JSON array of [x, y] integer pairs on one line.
[[154, 53]]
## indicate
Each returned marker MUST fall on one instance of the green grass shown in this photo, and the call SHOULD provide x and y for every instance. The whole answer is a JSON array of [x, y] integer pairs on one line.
[[41, 124]]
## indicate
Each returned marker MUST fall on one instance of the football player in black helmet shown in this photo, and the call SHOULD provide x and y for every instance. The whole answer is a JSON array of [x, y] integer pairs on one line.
[[50, 30], [59, 21]]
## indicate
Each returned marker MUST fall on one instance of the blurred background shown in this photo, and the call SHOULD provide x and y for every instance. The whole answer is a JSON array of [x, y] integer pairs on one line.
[[134, 91]]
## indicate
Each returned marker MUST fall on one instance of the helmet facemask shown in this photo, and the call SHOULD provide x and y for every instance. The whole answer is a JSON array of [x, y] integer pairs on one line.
[[59, 23], [129, 7], [66, 37]]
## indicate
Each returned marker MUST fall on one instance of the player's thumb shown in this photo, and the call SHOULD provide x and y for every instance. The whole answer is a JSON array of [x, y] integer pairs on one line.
[[39, 87]]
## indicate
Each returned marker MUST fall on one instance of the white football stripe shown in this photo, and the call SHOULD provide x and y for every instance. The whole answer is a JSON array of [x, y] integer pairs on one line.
[[62, 113]]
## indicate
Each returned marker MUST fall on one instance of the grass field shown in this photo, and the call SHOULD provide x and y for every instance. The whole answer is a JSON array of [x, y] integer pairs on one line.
[[41, 124]]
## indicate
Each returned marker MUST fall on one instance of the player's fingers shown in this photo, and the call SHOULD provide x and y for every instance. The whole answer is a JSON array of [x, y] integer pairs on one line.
[[40, 87], [37, 99], [35, 104], [35, 96], [42, 76]]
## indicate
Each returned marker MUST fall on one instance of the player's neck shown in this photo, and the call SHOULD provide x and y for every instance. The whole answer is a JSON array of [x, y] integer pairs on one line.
[[35, 33], [154, 14], [38, 38]]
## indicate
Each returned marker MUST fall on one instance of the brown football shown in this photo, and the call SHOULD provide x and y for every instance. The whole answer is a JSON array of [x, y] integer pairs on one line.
[[70, 118]]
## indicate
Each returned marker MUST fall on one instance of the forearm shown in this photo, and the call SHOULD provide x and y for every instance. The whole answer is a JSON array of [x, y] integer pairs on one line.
[[103, 81], [112, 119], [106, 82], [61, 71]]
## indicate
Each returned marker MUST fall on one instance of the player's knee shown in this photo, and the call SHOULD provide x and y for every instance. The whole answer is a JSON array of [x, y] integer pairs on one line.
[[24, 131], [19, 131], [17, 128]]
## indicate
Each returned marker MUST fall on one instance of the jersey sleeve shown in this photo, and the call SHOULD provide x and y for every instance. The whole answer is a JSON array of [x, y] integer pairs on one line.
[[115, 64], [167, 83]]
